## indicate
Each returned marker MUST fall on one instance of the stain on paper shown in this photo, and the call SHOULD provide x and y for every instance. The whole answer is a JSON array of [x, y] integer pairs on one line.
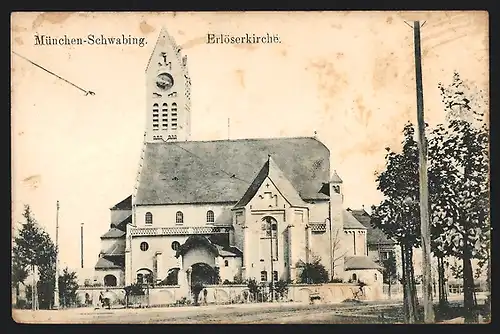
[[33, 181]]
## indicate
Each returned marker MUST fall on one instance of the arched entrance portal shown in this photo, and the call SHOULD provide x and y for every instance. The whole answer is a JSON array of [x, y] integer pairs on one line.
[[202, 274]]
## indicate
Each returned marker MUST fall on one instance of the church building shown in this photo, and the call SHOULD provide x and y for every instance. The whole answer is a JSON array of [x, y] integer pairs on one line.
[[225, 210]]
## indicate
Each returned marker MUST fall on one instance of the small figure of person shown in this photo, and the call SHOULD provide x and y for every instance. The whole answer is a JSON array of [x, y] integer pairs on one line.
[[107, 299], [99, 302], [205, 292]]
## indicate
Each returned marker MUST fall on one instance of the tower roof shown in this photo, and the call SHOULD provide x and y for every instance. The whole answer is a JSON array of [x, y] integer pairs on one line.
[[221, 171], [335, 177], [374, 236], [271, 170]]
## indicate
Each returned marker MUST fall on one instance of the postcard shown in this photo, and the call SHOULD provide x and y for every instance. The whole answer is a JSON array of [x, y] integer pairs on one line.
[[250, 167]]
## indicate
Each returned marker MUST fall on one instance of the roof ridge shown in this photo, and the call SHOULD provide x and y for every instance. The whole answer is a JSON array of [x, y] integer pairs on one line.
[[237, 139]]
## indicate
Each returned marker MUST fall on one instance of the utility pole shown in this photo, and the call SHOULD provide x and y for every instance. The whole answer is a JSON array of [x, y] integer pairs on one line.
[[81, 245], [424, 190], [56, 290], [271, 252]]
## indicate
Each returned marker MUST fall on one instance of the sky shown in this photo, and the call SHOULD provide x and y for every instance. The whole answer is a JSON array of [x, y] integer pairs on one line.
[[348, 76]]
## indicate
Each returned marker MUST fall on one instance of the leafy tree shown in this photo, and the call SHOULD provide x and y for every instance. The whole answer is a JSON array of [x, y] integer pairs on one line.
[[389, 271], [196, 289], [281, 288], [68, 285], [313, 272], [398, 216], [135, 289], [33, 247], [457, 271], [253, 287], [461, 147]]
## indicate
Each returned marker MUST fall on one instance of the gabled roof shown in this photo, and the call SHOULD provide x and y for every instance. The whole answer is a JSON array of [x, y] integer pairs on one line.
[[125, 204], [350, 222], [374, 236], [104, 263], [335, 177], [360, 262], [164, 39], [221, 171], [271, 170], [118, 248], [113, 233]]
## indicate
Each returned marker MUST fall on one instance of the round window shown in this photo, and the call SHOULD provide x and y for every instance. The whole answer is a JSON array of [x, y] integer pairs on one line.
[[175, 245], [144, 246]]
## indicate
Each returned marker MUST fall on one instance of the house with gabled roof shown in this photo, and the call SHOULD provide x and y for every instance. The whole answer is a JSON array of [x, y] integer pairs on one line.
[[224, 210]]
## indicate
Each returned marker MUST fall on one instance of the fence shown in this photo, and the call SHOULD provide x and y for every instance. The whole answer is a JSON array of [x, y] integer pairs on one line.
[[230, 294]]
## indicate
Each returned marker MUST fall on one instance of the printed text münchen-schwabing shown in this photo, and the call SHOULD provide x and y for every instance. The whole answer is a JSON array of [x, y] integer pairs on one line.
[[90, 39]]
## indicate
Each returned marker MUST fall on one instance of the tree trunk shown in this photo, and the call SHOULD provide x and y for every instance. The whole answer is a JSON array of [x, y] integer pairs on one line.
[[468, 283], [412, 280], [443, 301], [409, 285], [406, 305]]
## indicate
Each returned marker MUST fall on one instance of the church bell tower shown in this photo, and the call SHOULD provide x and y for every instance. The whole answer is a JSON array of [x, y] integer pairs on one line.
[[168, 93]]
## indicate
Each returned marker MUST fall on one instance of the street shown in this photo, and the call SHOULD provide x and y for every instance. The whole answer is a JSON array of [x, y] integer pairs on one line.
[[264, 313], [272, 313]]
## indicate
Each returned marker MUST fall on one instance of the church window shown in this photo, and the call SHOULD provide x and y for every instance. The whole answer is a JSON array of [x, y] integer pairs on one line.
[[226, 263], [164, 115], [155, 116], [140, 278], [265, 233], [375, 275], [179, 218], [354, 277], [173, 114], [210, 216], [144, 246], [175, 245], [263, 276], [149, 218], [275, 276], [109, 280]]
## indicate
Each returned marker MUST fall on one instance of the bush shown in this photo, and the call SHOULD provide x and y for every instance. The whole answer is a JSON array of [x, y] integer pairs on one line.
[[314, 272]]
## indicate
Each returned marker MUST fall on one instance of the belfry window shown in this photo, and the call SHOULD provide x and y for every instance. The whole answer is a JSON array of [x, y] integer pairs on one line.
[[173, 114], [210, 216], [148, 218], [164, 116], [179, 218], [155, 116]]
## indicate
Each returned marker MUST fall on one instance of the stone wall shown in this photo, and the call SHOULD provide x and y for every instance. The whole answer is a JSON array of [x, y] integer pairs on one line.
[[226, 294]]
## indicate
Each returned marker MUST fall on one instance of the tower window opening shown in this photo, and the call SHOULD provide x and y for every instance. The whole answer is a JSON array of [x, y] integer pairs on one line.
[[179, 218], [210, 216], [149, 218]]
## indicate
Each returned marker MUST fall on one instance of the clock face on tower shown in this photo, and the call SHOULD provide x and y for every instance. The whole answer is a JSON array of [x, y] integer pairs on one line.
[[164, 81]]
